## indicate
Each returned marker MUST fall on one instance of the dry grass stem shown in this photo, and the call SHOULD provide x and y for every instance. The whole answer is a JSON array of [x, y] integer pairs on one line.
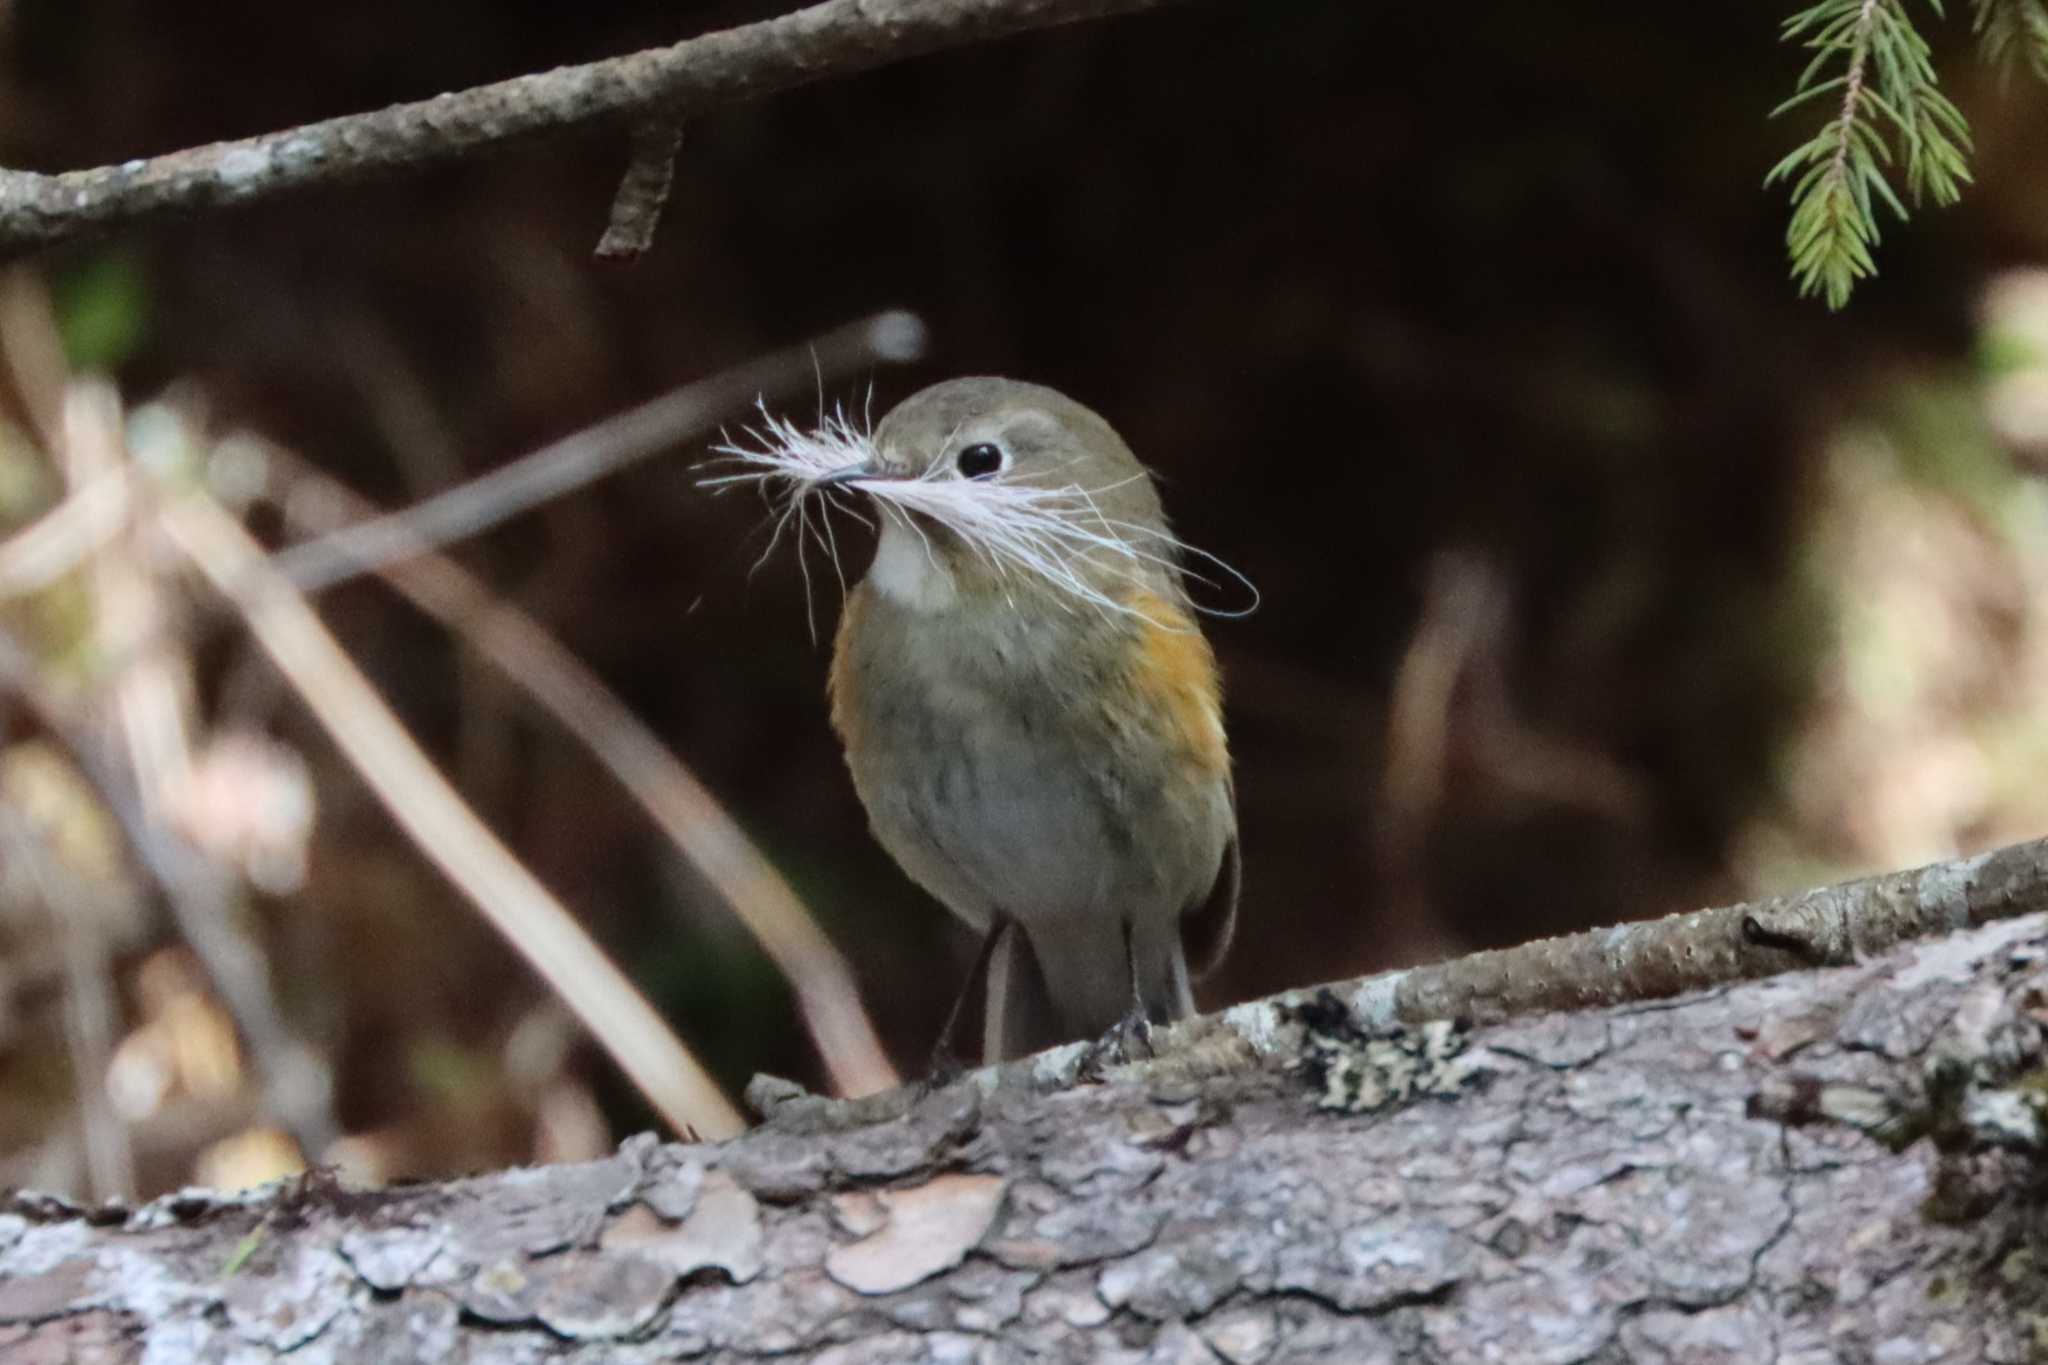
[[443, 827], [63, 538], [536, 663], [151, 687]]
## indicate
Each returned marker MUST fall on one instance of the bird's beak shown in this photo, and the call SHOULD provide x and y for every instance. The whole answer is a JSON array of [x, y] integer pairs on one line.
[[850, 474]]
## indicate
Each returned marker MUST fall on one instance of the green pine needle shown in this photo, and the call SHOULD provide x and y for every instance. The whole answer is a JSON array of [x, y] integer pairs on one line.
[[1888, 112], [2013, 34]]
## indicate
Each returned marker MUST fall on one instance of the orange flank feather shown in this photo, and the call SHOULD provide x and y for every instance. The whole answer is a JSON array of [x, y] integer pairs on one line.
[[839, 682], [1175, 672]]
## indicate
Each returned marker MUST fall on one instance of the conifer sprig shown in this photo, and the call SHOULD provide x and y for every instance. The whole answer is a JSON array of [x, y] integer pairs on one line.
[[1889, 116], [1889, 129]]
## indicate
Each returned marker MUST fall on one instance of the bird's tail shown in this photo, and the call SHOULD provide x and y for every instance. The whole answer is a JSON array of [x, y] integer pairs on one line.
[[1063, 980]]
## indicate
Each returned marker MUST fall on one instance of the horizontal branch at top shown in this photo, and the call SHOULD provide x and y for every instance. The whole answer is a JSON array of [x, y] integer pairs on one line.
[[838, 37]]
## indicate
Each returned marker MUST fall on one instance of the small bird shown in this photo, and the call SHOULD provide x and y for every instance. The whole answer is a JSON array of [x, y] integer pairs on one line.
[[1031, 715]]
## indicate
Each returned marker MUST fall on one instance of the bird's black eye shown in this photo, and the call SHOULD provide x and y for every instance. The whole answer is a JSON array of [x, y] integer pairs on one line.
[[979, 460]]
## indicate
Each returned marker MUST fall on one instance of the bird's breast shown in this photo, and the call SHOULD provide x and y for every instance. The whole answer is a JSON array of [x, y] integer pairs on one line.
[[1070, 755]]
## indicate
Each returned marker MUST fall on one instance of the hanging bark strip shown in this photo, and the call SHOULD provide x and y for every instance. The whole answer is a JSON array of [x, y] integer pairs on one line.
[[643, 192]]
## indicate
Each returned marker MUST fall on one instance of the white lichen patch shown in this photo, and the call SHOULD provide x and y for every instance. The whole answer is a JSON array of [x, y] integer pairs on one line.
[[239, 167], [1355, 1070]]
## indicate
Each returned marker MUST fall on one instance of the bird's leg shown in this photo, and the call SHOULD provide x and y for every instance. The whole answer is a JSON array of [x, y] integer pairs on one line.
[[945, 1064], [1130, 1037], [1136, 1025]]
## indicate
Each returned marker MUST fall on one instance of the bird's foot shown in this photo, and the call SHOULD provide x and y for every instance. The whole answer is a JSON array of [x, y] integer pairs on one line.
[[1128, 1040]]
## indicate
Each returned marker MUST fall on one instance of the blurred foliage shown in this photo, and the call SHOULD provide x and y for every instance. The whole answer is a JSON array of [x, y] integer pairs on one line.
[[2014, 34], [1930, 721], [102, 310], [1468, 329]]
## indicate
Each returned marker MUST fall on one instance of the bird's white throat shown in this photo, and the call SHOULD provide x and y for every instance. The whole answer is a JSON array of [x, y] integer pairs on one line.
[[909, 571]]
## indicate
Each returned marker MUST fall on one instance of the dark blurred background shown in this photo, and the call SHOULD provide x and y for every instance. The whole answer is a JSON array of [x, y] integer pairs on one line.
[[1603, 577]]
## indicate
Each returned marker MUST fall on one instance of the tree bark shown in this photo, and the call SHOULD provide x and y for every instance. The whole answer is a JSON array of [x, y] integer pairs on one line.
[[1651, 1182]]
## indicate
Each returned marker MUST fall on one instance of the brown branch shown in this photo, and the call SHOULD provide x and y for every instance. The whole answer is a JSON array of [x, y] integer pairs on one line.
[[837, 38]]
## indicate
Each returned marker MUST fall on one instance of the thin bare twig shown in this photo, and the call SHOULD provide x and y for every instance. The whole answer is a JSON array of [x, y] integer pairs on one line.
[[837, 38], [590, 454], [413, 790], [643, 191], [536, 663]]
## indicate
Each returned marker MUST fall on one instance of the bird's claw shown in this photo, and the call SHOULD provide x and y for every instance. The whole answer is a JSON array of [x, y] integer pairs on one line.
[[1128, 1040]]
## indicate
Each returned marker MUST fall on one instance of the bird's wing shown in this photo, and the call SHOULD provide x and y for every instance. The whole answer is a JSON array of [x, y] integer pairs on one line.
[[1206, 927]]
